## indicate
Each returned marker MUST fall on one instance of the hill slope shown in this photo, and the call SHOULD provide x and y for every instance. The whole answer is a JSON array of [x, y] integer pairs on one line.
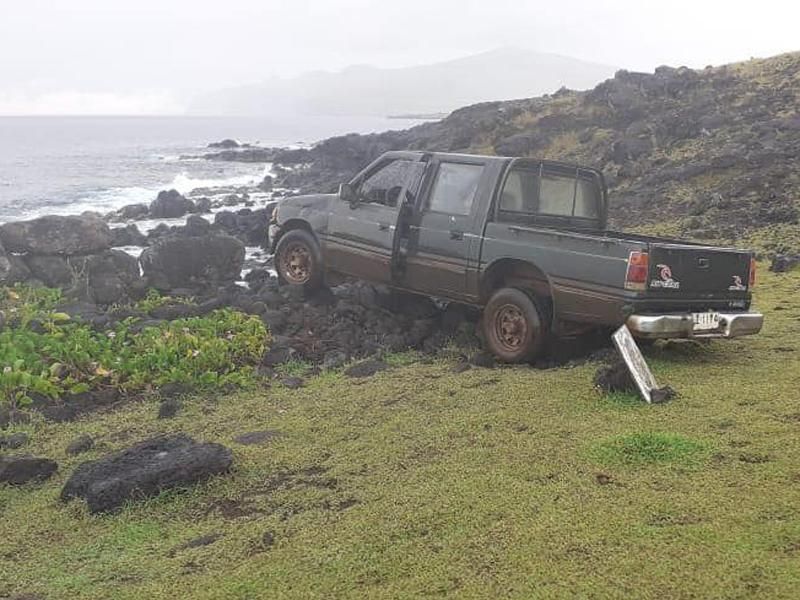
[[710, 154], [440, 87]]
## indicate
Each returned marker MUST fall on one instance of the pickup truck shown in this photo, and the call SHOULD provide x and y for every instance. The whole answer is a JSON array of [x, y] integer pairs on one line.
[[524, 239]]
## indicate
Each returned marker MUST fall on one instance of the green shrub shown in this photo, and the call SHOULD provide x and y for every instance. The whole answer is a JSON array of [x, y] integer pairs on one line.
[[68, 357]]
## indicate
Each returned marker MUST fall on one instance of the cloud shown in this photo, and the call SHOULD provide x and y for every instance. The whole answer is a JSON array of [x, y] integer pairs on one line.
[[69, 102]]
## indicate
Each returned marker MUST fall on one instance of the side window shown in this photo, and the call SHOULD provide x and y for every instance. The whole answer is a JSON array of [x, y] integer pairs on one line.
[[454, 188], [385, 185]]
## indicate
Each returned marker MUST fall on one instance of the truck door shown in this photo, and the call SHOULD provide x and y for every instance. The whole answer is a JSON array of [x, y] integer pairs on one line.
[[444, 238], [361, 232]]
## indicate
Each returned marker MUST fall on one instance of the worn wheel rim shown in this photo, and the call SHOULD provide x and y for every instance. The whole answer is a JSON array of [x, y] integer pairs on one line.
[[510, 328], [296, 263]]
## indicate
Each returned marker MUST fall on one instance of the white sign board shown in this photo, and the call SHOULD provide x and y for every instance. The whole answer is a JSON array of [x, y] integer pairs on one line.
[[637, 366]]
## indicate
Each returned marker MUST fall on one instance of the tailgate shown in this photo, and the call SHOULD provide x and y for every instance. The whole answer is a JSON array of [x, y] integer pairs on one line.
[[690, 270]]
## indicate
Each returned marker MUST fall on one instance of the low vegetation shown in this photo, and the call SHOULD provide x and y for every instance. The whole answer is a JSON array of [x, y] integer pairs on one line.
[[45, 352], [420, 481]]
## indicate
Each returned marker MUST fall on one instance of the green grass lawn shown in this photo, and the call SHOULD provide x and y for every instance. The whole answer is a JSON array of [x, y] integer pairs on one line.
[[417, 482]]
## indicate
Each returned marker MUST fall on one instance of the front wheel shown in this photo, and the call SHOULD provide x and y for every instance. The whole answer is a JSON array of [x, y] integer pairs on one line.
[[513, 326], [298, 260]]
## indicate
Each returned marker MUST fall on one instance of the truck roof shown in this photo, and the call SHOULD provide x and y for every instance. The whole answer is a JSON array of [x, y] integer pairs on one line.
[[488, 157]]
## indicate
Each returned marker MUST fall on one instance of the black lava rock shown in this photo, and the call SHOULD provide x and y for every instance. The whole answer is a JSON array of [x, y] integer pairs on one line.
[[145, 470], [18, 470], [366, 368]]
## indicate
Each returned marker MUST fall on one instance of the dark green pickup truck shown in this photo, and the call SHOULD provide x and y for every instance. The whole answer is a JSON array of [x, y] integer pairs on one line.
[[525, 239]]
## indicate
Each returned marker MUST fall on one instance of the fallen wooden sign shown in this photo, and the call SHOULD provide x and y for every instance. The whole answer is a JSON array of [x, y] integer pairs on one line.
[[637, 366]]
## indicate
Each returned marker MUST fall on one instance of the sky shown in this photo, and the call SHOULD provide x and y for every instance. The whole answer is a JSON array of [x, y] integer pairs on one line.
[[151, 56]]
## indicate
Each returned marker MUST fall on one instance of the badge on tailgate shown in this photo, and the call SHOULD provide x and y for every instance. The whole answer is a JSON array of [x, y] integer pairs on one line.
[[666, 280]]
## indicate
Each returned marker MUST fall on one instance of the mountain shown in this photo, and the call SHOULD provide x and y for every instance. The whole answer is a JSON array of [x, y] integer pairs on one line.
[[441, 87], [709, 154]]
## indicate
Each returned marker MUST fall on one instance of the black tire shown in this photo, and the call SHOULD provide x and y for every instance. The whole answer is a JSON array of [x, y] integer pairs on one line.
[[514, 329], [298, 260]]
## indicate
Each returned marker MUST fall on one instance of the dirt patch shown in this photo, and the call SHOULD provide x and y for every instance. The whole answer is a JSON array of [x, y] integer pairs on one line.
[[753, 458], [204, 540], [231, 509], [667, 520]]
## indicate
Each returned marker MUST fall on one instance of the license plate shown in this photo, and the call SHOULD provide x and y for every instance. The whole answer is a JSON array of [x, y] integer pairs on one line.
[[705, 321]]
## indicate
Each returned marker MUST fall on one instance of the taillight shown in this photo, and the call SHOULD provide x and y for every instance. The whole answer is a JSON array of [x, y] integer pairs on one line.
[[636, 276], [752, 273]]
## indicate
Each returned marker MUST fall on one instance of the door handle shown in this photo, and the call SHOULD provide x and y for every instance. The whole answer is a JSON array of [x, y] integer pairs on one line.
[[383, 226], [456, 235]]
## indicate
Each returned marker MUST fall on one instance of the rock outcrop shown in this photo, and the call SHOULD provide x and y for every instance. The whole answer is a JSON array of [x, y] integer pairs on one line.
[[145, 470], [180, 262], [170, 205], [55, 235], [106, 278]]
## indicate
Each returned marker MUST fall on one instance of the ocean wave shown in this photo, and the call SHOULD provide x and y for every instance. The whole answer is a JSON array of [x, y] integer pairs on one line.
[[111, 199], [185, 184]]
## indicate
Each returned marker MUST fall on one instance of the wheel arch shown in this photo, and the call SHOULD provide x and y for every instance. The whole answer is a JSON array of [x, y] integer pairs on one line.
[[291, 225], [519, 273]]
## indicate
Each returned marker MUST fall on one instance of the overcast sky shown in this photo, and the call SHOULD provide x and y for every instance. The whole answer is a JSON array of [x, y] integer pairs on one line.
[[148, 56]]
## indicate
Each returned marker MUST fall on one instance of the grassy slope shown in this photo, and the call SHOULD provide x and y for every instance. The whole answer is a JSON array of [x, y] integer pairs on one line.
[[423, 482]]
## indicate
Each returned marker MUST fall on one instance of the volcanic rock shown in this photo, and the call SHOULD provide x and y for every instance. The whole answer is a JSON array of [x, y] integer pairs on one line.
[[145, 470], [54, 235]]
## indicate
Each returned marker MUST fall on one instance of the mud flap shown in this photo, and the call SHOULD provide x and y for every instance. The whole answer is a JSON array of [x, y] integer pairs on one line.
[[637, 366]]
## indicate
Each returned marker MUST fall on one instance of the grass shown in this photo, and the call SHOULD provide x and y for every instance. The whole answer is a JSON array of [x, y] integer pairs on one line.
[[649, 448], [417, 482]]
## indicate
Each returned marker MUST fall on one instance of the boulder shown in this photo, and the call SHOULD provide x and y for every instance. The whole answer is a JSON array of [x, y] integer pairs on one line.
[[784, 262], [177, 262], [366, 368], [128, 236], [203, 205], [226, 144], [266, 184], [53, 235], [196, 226], [106, 278], [5, 264], [226, 220], [53, 271], [14, 441], [170, 204], [132, 212], [18, 470], [145, 470], [18, 271]]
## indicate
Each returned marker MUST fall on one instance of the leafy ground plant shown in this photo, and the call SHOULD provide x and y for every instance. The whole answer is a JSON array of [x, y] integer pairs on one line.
[[61, 356]]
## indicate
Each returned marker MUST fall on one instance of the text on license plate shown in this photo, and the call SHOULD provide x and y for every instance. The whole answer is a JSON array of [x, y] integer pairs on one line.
[[705, 321]]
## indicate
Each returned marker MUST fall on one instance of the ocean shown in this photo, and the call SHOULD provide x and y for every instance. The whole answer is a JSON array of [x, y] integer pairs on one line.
[[67, 165]]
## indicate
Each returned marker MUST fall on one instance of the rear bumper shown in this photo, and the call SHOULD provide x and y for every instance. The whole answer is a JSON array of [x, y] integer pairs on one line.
[[680, 325]]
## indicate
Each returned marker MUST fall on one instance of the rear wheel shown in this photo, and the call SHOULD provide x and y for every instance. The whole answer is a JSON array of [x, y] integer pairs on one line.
[[513, 327], [298, 260]]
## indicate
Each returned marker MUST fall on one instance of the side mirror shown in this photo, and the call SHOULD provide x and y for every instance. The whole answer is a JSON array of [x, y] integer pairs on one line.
[[347, 193]]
